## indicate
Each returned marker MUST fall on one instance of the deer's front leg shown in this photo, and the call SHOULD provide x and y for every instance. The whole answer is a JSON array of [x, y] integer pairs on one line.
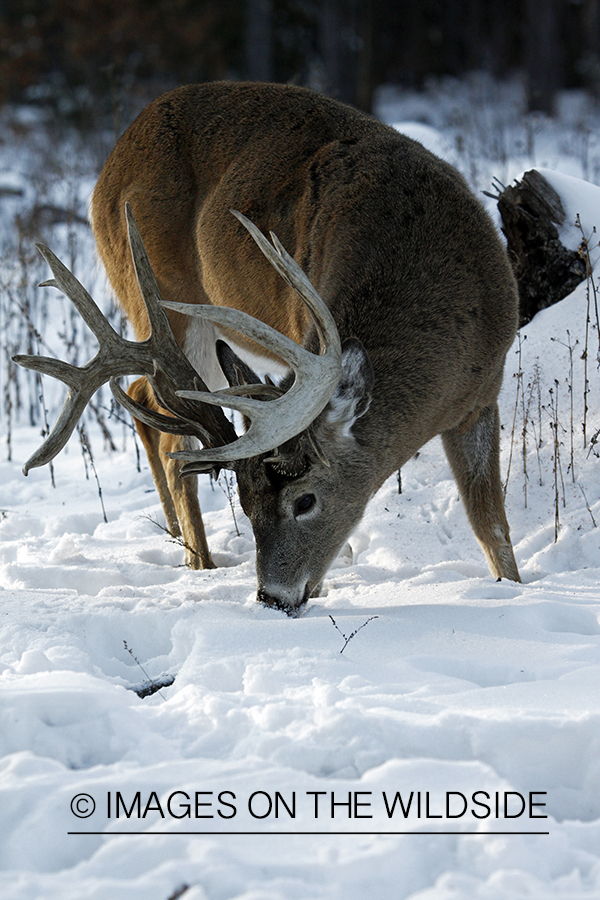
[[178, 496]]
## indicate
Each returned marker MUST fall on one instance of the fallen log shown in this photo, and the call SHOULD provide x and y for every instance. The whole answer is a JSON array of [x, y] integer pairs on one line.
[[546, 271]]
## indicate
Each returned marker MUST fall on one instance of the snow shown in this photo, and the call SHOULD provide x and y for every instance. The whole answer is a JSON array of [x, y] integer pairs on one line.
[[582, 200], [454, 685]]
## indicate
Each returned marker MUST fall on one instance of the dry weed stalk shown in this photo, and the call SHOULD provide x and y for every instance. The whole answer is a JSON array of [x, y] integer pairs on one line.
[[519, 377], [226, 482], [174, 538], [588, 506], [155, 683], [525, 415], [536, 386], [29, 319], [86, 452], [591, 292], [348, 638], [570, 348], [556, 461]]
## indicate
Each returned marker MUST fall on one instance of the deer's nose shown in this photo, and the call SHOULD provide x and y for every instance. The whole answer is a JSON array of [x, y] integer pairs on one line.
[[289, 600]]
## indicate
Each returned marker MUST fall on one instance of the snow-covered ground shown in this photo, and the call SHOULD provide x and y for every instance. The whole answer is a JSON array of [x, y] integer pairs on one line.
[[276, 766]]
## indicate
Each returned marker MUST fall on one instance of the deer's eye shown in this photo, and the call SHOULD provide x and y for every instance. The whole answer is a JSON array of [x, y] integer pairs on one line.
[[303, 504]]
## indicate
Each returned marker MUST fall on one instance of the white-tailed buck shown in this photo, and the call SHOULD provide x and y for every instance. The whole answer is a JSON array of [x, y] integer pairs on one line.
[[394, 314]]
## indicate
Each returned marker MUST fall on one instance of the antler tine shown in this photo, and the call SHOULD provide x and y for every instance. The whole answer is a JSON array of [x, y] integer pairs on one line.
[[316, 377], [170, 424], [118, 356], [293, 275], [165, 348], [66, 282], [82, 382], [298, 280], [160, 327], [247, 325]]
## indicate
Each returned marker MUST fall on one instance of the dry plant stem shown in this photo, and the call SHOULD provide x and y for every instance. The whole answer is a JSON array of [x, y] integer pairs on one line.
[[588, 506], [596, 310], [86, 450], [175, 538], [525, 416], [8, 404], [570, 348], [586, 383], [46, 431], [585, 253], [32, 330], [537, 434], [128, 427], [555, 471], [585, 249], [103, 426], [230, 494], [131, 653], [33, 336], [560, 469], [354, 633], [519, 376], [539, 442], [557, 467], [572, 400]]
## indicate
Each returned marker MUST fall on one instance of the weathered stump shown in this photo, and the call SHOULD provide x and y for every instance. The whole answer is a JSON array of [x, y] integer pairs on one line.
[[545, 270]]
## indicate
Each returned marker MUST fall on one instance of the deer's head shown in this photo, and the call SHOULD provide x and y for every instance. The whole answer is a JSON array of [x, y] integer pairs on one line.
[[305, 497], [303, 477]]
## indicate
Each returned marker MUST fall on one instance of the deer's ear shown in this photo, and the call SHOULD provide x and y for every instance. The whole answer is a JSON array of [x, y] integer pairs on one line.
[[235, 370], [352, 396]]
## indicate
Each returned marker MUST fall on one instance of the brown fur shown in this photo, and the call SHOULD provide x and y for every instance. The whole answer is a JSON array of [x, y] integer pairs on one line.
[[394, 241]]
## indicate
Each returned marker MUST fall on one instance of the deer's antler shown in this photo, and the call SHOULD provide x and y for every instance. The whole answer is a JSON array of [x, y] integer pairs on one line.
[[316, 376], [176, 384], [159, 358]]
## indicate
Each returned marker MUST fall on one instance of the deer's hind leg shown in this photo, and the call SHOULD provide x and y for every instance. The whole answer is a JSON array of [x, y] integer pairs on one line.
[[178, 496], [474, 455]]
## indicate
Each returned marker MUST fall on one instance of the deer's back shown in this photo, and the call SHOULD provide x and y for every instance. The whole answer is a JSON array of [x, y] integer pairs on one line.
[[390, 235]]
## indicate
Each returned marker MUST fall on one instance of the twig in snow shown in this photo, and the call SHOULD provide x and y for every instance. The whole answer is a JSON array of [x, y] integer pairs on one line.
[[519, 377], [103, 426], [588, 506], [354, 633], [46, 429], [157, 687], [86, 449], [229, 492], [175, 538], [570, 348], [127, 423], [584, 251], [556, 463]]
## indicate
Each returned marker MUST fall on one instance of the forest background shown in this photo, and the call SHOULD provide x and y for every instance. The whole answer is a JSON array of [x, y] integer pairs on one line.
[[92, 58]]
